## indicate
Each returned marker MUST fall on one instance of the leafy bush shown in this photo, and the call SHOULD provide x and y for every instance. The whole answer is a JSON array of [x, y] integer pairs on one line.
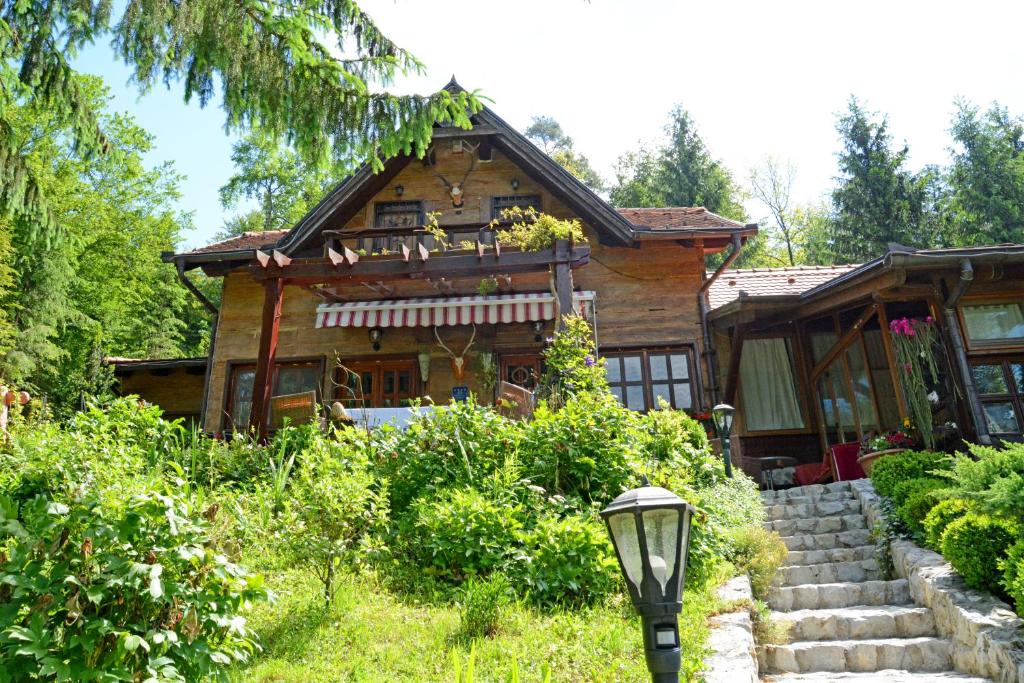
[[975, 544], [532, 230], [571, 364], [90, 593], [481, 604], [993, 478], [758, 553], [566, 561], [890, 470], [914, 498], [462, 533], [458, 446], [940, 516], [588, 449], [678, 443], [1013, 574]]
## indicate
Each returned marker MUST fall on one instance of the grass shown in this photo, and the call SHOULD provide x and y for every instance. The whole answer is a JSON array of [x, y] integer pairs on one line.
[[371, 634]]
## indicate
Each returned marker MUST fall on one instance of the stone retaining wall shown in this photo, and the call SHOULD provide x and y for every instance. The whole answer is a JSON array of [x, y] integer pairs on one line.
[[732, 658], [988, 638]]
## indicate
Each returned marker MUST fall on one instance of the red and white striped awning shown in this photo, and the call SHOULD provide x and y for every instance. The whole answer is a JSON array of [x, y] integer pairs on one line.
[[455, 310]]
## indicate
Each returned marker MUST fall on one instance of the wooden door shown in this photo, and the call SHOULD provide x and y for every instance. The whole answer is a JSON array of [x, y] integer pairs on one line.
[[522, 369], [376, 384]]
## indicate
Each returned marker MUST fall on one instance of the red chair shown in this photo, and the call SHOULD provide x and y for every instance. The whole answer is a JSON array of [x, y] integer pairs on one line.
[[844, 457], [814, 473]]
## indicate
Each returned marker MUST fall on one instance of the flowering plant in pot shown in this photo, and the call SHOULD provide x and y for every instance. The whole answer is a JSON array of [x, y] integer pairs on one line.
[[915, 340]]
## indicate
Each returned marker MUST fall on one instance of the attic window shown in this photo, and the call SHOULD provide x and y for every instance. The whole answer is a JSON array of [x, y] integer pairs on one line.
[[523, 201], [399, 215]]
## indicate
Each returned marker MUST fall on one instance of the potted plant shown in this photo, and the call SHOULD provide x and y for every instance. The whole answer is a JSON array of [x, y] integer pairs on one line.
[[887, 443]]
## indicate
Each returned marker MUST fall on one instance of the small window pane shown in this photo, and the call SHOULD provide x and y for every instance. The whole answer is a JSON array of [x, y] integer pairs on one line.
[[1001, 418], [241, 396], [404, 381], [297, 379], [684, 400], [613, 369], [661, 391], [1017, 370], [617, 393], [635, 398], [990, 379], [680, 366], [995, 321], [634, 371], [659, 367]]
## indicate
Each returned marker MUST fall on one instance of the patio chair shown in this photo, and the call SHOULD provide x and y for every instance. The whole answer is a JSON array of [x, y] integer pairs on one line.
[[839, 464]]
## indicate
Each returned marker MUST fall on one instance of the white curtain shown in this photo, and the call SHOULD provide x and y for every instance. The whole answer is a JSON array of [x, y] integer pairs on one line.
[[995, 321], [768, 387]]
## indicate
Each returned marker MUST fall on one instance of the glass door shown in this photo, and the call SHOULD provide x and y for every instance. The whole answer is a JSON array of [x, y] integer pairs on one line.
[[376, 384]]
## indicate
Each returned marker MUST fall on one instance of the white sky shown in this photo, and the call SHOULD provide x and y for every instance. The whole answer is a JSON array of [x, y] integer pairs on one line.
[[758, 77]]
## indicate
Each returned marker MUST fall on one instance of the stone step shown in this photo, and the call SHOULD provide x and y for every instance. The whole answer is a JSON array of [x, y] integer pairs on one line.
[[842, 539], [857, 623], [884, 676], [815, 508], [832, 595], [818, 525], [907, 654], [861, 552], [812, 491], [835, 497], [829, 572]]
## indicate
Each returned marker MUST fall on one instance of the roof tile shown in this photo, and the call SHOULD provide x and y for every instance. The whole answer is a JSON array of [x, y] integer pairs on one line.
[[247, 240], [677, 218], [771, 281]]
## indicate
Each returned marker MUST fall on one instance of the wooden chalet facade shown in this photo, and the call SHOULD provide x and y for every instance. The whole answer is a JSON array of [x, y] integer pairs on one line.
[[808, 355], [359, 305]]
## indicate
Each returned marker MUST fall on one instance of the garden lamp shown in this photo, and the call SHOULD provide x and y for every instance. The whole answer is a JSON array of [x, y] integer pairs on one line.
[[723, 425], [650, 529], [376, 334]]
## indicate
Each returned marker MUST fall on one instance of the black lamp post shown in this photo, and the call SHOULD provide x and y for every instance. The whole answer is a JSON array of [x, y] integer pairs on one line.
[[723, 425], [650, 529]]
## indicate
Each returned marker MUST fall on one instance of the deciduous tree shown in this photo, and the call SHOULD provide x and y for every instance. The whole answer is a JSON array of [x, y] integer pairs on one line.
[[549, 136]]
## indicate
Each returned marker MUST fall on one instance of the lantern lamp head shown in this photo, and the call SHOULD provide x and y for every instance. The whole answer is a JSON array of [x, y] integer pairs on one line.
[[376, 334], [723, 414], [650, 529], [538, 330], [514, 183], [399, 190]]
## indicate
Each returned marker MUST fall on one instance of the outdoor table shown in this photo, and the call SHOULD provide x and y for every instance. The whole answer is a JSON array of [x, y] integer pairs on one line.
[[774, 462]]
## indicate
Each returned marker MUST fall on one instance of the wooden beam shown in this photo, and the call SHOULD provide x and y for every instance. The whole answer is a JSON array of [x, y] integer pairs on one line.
[[273, 295], [424, 252], [449, 132], [450, 265], [280, 259], [405, 252], [563, 281], [843, 342], [335, 258], [263, 258], [732, 375]]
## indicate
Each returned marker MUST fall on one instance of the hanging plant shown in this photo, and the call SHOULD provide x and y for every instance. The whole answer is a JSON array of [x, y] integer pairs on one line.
[[914, 341]]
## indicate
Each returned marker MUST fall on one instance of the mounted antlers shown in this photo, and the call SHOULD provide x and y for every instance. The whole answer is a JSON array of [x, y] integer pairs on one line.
[[455, 189], [458, 362]]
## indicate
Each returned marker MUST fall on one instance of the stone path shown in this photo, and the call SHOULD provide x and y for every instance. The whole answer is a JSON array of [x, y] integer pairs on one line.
[[847, 623]]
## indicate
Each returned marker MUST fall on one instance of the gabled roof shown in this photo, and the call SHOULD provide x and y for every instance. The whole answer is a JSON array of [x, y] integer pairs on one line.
[[680, 218], [244, 242]]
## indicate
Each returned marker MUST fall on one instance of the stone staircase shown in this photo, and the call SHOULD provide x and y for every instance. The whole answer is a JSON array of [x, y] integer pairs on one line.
[[846, 621]]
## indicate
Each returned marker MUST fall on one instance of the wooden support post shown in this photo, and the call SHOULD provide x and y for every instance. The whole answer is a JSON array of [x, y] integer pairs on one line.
[[563, 280], [848, 338], [890, 357], [733, 374], [262, 386]]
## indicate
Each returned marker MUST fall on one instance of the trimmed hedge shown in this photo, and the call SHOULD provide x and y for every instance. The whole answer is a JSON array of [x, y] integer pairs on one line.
[[1013, 574], [940, 516], [890, 471], [914, 498], [975, 545]]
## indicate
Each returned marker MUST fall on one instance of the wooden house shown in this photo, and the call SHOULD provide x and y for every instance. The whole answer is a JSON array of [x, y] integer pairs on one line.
[[358, 304]]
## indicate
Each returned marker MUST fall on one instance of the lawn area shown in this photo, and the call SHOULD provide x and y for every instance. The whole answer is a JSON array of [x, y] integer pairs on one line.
[[372, 634]]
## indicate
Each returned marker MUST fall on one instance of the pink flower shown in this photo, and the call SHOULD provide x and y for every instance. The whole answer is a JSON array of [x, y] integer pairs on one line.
[[929, 320]]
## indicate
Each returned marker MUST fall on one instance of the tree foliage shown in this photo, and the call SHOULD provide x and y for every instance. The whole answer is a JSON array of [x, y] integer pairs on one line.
[[548, 134], [305, 70], [679, 172]]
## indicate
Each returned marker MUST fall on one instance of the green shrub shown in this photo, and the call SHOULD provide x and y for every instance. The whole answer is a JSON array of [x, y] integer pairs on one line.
[[91, 593], [914, 498], [940, 516], [993, 478], [758, 553], [460, 445], [571, 364], [975, 544], [481, 604], [679, 444], [462, 533], [588, 449], [1013, 574], [890, 470], [566, 561], [333, 504], [731, 504]]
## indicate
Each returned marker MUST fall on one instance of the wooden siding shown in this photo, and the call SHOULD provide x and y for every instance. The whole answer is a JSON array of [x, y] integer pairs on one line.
[[178, 392], [646, 296]]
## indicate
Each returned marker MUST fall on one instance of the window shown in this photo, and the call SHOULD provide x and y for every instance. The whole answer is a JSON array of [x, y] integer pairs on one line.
[[399, 215], [994, 322], [523, 201], [768, 385], [289, 378], [640, 378], [1000, 386], [376, 384], [521, 369]]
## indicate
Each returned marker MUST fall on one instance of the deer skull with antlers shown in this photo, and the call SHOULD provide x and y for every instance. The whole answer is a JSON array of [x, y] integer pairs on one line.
[[455, 190], [458, 362]]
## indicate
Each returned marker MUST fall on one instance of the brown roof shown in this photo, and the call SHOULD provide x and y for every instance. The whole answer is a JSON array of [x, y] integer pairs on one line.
[[771, 281], [678, 218], [247, 240]]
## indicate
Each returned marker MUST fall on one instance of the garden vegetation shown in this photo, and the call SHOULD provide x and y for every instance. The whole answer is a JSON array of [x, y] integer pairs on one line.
[[136, 550]]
